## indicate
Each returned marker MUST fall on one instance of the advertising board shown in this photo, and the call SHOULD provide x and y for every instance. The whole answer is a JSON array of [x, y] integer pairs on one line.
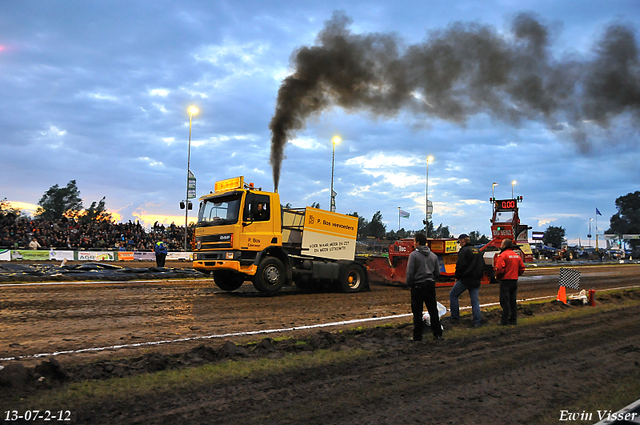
[[30, 255], [5, 255], [125, 255], [188, 256], [61, 255], [144, 256], [329, 235], [96, 255]]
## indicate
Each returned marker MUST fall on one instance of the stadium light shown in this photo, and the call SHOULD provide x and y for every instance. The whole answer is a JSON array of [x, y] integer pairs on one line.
[[426, 199], [192, 111], [334, 141]]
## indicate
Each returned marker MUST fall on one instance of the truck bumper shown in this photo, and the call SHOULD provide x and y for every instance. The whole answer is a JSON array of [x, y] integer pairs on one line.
[[231, 265]]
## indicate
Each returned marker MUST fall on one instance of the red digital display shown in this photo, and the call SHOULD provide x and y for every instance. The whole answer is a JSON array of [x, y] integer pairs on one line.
[[506, 205]]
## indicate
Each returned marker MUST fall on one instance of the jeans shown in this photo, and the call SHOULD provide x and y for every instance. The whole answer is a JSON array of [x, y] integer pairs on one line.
[[455, 293]]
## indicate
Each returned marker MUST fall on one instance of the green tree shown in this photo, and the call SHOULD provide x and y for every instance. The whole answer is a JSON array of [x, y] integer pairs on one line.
[[477, 238], [627, 219], [362, 224], [57, 202], [376, 227], [554, 236], [7, 210], [400, 234], [442, 232], [96, 213], [428, 228]]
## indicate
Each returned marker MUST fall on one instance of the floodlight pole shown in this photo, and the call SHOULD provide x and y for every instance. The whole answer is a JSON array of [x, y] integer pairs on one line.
[[192, 110]]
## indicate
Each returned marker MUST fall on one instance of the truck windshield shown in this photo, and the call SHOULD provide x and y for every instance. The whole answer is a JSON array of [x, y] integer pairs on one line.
[[219, 211]]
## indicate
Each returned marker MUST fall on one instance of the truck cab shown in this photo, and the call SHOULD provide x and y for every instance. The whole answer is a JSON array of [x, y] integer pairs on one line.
[[239, 237]]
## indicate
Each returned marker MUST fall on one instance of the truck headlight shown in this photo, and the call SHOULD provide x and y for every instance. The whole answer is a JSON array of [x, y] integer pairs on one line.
[[230, 256], [198, 244]]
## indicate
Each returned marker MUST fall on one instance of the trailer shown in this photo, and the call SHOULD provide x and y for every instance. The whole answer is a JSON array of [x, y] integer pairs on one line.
[[243, 234], [391, 269]]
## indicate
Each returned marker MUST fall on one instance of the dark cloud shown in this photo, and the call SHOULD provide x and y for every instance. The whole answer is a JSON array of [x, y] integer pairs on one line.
[[462, 70]]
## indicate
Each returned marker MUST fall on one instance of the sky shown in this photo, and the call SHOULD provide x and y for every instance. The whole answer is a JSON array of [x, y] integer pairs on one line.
[[544, 93]]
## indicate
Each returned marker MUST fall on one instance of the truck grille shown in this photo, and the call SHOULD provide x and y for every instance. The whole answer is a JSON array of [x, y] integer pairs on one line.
[[215, 241]]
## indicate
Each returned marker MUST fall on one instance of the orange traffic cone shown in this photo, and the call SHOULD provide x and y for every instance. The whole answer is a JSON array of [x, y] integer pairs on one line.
[[562, 294]]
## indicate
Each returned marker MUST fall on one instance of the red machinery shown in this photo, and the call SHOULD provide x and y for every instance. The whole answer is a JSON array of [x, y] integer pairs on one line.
[[393, 269], [505, 224]]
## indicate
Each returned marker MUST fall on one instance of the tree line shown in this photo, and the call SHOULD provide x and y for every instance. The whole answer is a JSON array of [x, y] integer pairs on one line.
[[624, 222], [58, 202]]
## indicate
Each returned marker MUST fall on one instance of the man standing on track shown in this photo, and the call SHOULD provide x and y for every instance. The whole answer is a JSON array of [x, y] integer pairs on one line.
[[469, 270], [161, 253], [422, 271], [509, 266]]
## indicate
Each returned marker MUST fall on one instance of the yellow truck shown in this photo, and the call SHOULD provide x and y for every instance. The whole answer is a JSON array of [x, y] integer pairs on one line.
[[243, 234]]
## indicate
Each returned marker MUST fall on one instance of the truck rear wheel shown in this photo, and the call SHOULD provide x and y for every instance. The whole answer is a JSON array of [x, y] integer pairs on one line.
[[228, 281], [270, 276], [352, 279]]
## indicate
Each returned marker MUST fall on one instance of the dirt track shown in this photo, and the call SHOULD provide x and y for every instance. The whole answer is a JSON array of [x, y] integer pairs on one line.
[[509, 375]]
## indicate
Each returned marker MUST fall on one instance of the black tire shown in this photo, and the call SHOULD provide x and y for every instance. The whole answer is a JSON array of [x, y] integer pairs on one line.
[[228, 281], [270, 276], [352, 279]]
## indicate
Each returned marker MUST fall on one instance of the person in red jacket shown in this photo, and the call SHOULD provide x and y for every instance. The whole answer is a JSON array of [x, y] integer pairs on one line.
[[509, 266]]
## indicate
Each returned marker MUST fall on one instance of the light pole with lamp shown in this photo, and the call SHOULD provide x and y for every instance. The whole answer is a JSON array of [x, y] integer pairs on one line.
[[426, 200], [192, 111], [334, 141], [513, 183], [589, 235], [493, 192]]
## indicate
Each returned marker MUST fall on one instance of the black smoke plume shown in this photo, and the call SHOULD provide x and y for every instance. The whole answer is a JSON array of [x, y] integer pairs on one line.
[[457, 72]]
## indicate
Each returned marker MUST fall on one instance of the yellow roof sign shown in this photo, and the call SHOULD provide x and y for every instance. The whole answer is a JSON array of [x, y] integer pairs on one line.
[[229, 184]]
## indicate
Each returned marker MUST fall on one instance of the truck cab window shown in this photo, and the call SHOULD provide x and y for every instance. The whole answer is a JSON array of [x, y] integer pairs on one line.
[[257, 208]]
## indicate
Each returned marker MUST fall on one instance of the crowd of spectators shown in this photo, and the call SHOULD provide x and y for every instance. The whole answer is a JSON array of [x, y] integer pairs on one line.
[[19, 232]]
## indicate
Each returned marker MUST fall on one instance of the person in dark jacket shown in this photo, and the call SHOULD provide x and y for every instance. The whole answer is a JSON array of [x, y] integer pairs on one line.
[[161, 253], [469, 269], [422, 271], [509, 266]]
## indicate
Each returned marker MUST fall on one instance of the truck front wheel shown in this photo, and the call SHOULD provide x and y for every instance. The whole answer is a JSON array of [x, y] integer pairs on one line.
[[352, 279], [228, 281], [270, 276]]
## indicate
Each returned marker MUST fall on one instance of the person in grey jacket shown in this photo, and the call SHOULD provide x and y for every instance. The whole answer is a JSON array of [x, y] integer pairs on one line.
[[421, 275]]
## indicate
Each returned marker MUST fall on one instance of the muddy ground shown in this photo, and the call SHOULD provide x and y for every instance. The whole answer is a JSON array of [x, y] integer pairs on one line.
[[488, 375]]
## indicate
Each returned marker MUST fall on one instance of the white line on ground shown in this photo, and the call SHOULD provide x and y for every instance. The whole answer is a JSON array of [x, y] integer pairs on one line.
[[265, 331], [102, 281]]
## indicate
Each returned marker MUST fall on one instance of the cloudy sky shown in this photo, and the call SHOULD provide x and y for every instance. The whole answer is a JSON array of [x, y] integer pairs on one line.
[[545, 93]]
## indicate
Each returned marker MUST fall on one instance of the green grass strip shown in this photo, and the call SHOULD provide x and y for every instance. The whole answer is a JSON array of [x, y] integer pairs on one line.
[[78, 394]]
